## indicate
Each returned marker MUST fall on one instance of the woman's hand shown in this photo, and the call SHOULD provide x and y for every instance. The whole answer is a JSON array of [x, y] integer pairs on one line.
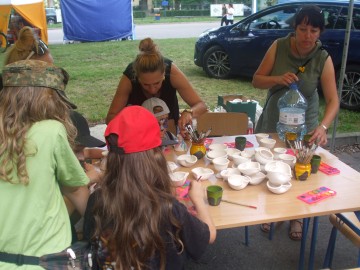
[[319, 136], [287, 78], [185, 118]]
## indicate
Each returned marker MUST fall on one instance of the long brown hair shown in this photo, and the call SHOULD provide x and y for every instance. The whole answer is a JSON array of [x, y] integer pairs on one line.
[[135, 202], [149, 58], [20, 108]]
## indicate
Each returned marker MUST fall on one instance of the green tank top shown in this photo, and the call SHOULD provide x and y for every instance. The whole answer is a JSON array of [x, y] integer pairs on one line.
[[285, 61]]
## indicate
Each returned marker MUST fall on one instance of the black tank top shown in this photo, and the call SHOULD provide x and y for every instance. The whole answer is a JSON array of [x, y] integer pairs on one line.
[[167, 91]]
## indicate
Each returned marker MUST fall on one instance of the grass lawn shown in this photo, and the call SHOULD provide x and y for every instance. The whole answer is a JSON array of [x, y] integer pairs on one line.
[[95, 70]]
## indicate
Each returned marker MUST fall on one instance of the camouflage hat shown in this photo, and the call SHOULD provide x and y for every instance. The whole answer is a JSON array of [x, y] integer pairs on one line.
[[37, 73]]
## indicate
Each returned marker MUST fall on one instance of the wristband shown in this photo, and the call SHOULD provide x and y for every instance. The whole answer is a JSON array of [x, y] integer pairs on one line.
[[324, 127], [188, 111]]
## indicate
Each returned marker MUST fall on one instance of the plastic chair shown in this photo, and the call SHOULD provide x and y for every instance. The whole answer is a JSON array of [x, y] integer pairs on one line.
[[349, 225]]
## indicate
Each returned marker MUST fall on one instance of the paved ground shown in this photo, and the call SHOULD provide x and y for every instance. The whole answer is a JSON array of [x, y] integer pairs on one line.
[[229, 251]]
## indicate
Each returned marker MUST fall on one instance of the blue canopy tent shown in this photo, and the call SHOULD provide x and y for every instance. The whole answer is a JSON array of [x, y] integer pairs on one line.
[[96, 20]]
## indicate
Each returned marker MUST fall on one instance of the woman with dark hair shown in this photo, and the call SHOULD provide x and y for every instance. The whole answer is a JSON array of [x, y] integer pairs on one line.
[[299, 57], [133, 216], [152, 75]]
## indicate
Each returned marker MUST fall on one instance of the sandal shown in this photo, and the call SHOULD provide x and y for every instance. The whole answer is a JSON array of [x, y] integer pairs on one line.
[[265, 227], [294, 232]]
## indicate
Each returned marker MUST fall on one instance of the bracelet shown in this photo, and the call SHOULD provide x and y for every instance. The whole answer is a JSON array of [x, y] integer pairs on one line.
[[188, 111], [324, 127]]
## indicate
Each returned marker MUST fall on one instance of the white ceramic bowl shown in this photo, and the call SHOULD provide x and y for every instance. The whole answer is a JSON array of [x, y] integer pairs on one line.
[[232, 151], [205, 173], [187, 160], [288, 159], [278, 172], [248, 153], [172, 166], [238, 182], [264, 156], [278, 166], [260, 136], [229, 171], [249, 168], [217, 146], [220, 163], [178, 178], [278, 189], [215, 154], [257, 149], [278, 151], [257, 178], [239, 159], [267, 142]]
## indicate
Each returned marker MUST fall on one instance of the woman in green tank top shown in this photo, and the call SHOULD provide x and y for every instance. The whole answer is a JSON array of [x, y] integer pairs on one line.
[[300, 58]]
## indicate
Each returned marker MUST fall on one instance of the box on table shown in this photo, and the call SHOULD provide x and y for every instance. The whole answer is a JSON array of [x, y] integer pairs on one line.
[[245, 106]]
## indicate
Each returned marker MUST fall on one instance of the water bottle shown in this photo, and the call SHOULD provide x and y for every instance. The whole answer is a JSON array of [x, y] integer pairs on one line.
[[250, 129], [292, 106]]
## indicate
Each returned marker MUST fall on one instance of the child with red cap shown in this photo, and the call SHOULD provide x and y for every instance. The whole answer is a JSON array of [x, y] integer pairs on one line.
[[134, 217]]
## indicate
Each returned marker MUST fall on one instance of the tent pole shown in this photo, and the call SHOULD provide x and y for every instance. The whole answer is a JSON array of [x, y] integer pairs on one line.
[[343, 67]]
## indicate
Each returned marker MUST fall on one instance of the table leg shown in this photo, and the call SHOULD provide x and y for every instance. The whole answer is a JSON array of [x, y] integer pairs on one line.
[[313, 243], [303, 243]]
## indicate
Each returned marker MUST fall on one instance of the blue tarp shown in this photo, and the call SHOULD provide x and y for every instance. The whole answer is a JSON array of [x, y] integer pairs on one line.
[[96, 20]]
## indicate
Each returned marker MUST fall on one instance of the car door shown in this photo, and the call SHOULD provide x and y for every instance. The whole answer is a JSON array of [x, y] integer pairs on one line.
[[249, 40]]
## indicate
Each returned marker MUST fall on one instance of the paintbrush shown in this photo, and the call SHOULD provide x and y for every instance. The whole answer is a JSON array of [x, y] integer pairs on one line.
[[246, 205]]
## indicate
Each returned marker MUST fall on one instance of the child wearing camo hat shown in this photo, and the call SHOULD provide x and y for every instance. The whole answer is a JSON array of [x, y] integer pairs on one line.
[[37, 163]]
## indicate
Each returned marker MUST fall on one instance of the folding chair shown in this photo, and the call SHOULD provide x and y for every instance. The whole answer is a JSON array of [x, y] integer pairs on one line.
[[349, 225], [223, 124]]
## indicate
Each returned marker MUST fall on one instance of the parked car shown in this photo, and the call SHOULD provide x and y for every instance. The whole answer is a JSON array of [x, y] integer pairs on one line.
[[51, 15], [237, 50]]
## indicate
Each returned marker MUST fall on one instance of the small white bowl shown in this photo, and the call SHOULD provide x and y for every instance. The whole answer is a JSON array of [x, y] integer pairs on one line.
[[220, 163], [172, 166], [264, 156], [216, 154], [187, 160], [239, 159], [277, 151], [278, 172], [229, 171], [267, 142], [238, 182], [257, 149], [248, 153], [289, 159], [260, 136], [232, 151], [178, 178], [249, 168], [257, 178], [217, 146], [278, 166], [278, 189], [205, 173]]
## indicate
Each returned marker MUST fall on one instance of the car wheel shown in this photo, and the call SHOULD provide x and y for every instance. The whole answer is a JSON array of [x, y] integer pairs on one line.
[[216, 63], [51, 21], [350, 95]]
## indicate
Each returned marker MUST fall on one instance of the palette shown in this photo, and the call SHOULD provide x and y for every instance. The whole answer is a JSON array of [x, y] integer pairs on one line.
[[317, 195]]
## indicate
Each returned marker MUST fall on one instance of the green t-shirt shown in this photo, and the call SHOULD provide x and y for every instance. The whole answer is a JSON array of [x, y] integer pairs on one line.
[[34, 219]]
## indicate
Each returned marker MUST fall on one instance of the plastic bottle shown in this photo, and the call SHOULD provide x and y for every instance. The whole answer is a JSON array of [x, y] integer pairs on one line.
[[292, 106], [250, 129]]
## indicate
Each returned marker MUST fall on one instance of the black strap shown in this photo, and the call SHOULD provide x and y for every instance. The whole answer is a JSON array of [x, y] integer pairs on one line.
[[18, 259]]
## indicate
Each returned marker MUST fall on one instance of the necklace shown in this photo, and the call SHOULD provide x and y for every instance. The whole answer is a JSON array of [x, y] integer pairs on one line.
[[301, 68]]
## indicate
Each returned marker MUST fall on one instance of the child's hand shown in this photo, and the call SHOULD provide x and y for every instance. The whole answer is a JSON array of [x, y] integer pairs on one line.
[[93, 172], [196, 191]]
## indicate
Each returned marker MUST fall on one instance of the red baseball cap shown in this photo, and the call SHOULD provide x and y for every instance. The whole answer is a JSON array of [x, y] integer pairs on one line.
[[137, 130]]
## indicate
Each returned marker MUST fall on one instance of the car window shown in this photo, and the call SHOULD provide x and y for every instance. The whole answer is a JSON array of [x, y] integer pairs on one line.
[[280, 19], [336, 17]]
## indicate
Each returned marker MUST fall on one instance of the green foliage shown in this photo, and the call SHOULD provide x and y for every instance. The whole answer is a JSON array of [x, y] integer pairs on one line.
[[174, 13], [139, 14]]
